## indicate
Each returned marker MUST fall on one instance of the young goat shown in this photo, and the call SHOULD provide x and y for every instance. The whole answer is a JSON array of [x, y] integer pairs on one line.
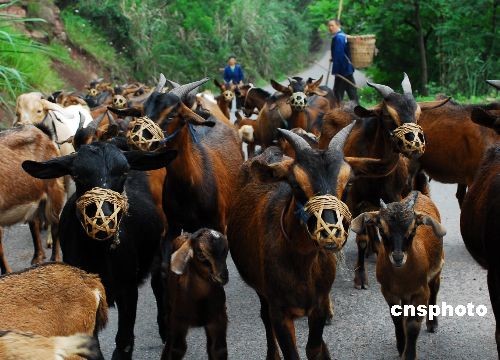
[[410, 261], [196, 293], [53, 299], [28, 346]]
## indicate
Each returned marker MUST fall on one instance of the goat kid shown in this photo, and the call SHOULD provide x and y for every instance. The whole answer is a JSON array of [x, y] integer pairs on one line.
[[410, 261]]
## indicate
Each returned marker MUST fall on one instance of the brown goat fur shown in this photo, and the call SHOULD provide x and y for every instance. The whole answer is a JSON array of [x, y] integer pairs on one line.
[[479, 218], [410, 261], [29, 304], [28, 346], [291, 272], [20, 200], [288, 150], [196, 292], [455, 145]]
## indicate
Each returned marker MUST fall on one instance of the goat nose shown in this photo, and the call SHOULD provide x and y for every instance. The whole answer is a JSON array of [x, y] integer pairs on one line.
[[398, 258]]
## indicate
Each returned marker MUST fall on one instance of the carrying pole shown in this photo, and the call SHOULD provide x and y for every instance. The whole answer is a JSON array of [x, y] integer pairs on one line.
[[340, 10], [329, 70]]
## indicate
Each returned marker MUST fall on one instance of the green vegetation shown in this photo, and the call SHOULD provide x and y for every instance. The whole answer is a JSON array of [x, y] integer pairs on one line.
[[88, 38], [24, 63], [442, 45], [188, 39]]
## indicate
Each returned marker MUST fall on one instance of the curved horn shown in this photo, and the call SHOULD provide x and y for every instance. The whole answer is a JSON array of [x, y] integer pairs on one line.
[[384, 90], [383, 204], [412, 199], [81, 122], [183, 90], [338, 141], [494, 83], [406, 85], [295, 140], [291, 80], [161, 83], [173, 84]]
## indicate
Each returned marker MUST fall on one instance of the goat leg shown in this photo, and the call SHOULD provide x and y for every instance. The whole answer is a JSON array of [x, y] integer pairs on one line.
[[4, 266], [316, 347], [360, 278], [494, 290], [413, 324], [216, 338], [56, 246], [434, 284], [460, 194], [397, 320], [272, 347], [285, 333], [175, 346], [39, 254], [126, 302], [160, 296]]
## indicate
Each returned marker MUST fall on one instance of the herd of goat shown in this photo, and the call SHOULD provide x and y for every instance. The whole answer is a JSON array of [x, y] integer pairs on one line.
[[133, 182]]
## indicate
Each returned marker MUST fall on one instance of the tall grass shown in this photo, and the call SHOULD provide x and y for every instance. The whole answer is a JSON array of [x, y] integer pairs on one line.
[[24, 63]]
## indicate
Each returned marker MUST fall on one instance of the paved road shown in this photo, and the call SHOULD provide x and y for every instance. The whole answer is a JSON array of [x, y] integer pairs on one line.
[[362, 327]]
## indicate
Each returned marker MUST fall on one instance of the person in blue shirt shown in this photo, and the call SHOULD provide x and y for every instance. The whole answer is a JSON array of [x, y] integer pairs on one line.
[[341, 57], [233, 72]]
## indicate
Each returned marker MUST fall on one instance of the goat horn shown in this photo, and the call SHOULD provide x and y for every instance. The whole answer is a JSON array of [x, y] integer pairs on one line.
[[296, 141], [173, 84], [384, 90], [161, 83], [185, 89], [412, 199], [291, 80], [494, 83], [406, 85], [383, 204], [338, 141], [81, 122]]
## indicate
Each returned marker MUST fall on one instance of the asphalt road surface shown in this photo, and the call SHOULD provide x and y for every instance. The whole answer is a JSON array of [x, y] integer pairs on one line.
[[362, 327]]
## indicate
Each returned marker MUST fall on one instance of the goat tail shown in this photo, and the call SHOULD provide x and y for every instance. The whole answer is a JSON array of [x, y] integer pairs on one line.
[[101, 317], [79, 344]]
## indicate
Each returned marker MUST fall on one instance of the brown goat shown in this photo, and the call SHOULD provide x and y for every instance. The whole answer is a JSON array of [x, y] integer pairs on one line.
[[253, 99], [410, 261], [21, 195], [373, 137], [289, 259], [28, 346], [479, 223], [53, 299], [455, 144], [225, 99], [196, 294]]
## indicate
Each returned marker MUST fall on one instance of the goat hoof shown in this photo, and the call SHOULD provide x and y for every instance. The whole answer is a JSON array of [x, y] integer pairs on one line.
[[432, 326], [360, 280], [38, 259]]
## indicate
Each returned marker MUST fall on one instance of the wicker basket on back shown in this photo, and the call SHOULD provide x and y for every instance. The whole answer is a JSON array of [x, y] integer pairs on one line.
[[362, 50]]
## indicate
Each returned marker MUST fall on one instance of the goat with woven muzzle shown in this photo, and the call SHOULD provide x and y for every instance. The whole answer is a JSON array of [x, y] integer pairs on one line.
[[110, 226], [286, 249], [389, 131]]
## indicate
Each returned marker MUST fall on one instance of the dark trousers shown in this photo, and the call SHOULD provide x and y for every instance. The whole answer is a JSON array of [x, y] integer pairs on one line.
[[340, 86]]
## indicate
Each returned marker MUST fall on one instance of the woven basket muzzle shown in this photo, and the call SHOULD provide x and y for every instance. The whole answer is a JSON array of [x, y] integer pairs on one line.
[[298, 101], [228, 95], [336, 233], [99, 226], [93, 92], [144, 134], [119, 102], [409, 139]]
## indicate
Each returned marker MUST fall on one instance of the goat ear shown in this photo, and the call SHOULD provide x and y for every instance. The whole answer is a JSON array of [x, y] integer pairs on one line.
[[271, 172], [368, 167], [281, 88], [50, 169], [149, 160], [181, 257], [363, 112], [438, 229], [428, 105], [360, 222], [485, 118], [47, 105], [218, 84], [313, 87], [192, 117], [136, 111]]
